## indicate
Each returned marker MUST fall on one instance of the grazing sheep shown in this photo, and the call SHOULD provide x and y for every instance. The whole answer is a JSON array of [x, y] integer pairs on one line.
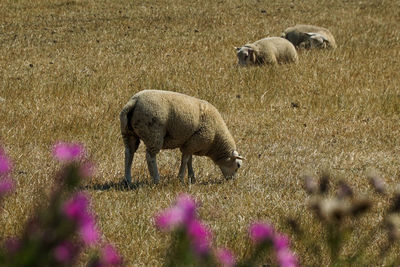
[[167, 120], [309, 36], [271, 50]]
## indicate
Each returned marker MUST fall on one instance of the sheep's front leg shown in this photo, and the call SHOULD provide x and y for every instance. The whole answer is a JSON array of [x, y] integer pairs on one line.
[[185, 159], [192, 179], [152, 165]]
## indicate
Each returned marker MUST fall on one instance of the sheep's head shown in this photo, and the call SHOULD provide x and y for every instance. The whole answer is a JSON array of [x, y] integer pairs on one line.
[[246, 55], [316, 40], [230, 165]]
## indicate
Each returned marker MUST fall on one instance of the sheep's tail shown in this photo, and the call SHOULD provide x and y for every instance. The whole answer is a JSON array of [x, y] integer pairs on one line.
[[125, 115]]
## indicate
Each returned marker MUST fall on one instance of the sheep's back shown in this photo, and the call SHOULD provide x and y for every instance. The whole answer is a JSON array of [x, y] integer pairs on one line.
[[280, 47], [294, 33], [168, 115]]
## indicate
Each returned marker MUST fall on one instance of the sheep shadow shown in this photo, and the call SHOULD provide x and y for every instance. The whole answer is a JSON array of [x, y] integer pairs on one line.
[[121, 186], [212, 182]]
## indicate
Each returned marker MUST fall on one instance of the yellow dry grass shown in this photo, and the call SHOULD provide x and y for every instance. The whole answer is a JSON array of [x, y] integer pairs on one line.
[[68, 67]]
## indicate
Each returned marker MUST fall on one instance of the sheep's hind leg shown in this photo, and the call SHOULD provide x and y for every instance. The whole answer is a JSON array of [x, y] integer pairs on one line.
[[182, 169], [192, 179], [131, 145], [152, 165]]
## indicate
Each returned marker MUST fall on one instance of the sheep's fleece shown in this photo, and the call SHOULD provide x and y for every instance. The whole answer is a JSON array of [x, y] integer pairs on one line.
[[309, 36], [167, 120], [270, 50]]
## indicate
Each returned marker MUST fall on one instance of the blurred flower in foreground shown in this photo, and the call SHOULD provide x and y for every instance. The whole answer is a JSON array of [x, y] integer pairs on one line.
[[62, 226], [183, 216], [5, 163], [225, 257], [65, 252], [260, 232], [68, 151], [281, 241], [6, 183], [263, 232], [110, 256], [183, 212], [6, 186], [200, 236], [376, 181], [393, 224], [76, 209], [286, 258]]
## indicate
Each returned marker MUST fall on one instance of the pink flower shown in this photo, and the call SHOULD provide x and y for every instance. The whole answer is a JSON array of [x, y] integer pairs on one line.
[[110, 256], [76, 207], [68, 151], [87, 170], [6, 186], [64, 252], [286, 258], [182, 213], [77, 210], [225, 257], [12, 245], [89, 232], [260, 232], [188, 206], [281, 241], [200, 237], [5, 163], [169, 219]]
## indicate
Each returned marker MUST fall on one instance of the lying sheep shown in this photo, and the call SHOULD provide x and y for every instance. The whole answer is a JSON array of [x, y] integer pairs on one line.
[[309, 36], [271, 50], [167, 120]]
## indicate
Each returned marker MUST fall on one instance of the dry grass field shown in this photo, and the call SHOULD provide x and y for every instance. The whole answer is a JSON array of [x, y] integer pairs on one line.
[[68, 67]]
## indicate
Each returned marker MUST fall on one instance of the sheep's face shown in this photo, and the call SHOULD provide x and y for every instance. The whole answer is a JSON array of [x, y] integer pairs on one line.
[[314, 40], [245, 55], [230, 165]]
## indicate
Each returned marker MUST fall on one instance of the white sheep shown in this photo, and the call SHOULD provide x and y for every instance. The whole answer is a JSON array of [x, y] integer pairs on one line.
[[271, 50], [309, 36], [167, 120]]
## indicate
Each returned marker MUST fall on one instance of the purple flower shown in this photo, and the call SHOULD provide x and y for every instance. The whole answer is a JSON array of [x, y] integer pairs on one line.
[[76, 207], [169, 219], [12, 245], [199, 236], [188, 206], [260, 232], [77, 210], [68, 151], [5, 163], [225, 257], [6, 183], [6, 186], [286, 258], [110, 256], [281, 241], [181, 214], [64, 252], [89, 232], [87, 170]]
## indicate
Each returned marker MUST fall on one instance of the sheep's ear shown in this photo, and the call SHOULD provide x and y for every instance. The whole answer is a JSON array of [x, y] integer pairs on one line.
[[235, 155], [240, 157], [317, 36], [237, 48]]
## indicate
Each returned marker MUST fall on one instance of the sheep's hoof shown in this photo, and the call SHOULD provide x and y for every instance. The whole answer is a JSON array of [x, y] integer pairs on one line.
[[192, 180], [126, 183]]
